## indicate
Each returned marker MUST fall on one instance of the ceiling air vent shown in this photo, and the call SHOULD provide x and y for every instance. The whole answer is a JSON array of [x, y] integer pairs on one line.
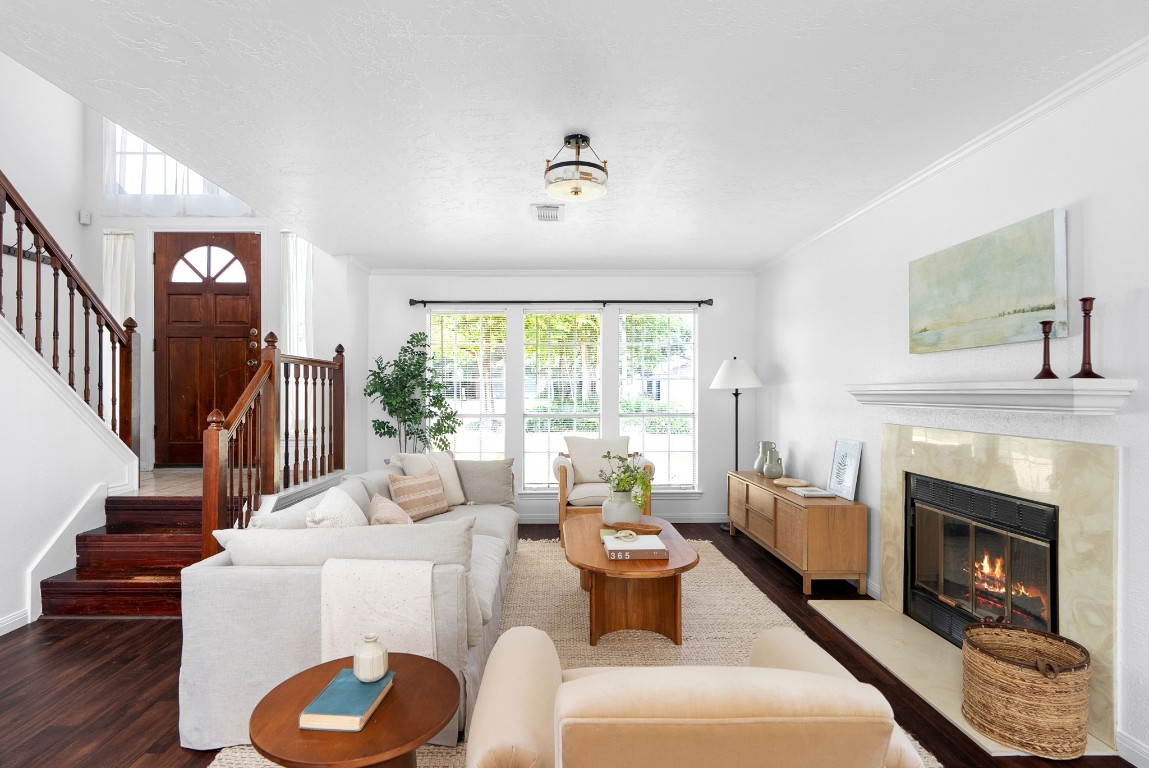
[[547, 211]]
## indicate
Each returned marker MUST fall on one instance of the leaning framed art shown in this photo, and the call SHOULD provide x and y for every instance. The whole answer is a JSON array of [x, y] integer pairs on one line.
[[844, 468]]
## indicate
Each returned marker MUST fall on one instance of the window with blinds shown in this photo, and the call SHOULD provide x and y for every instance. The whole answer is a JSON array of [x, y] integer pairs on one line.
[[469, 352], [561, 374], [657, 391]]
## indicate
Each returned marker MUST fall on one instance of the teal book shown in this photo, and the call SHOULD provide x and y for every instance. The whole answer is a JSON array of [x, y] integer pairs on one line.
[[345, 704]]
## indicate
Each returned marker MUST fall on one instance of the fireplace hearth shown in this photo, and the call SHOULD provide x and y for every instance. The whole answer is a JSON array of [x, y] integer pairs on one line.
[[972, 554]]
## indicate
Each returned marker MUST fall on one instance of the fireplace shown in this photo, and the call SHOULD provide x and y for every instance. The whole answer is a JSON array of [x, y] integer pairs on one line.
[[972, 554]]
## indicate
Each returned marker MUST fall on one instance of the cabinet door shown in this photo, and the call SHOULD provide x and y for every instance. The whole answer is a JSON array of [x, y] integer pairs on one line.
[[790, 532], [736, 501]]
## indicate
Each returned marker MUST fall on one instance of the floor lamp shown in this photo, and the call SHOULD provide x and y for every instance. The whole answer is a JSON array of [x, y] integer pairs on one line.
[[735, 374]]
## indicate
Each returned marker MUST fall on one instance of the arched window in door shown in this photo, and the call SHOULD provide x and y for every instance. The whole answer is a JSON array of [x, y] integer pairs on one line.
[[208, 262]]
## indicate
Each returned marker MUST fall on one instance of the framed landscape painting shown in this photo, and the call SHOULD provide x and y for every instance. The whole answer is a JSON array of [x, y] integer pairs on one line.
[[994, 289]]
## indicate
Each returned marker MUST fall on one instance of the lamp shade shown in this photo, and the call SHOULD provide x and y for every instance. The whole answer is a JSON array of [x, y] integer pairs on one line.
[[735, 374]]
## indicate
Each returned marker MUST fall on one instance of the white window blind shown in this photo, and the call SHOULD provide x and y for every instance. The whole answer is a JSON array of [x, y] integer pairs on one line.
[[657, 391], [469, 353], [561, 375]]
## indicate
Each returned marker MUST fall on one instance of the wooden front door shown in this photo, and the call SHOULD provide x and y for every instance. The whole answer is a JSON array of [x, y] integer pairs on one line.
[[207, 333]]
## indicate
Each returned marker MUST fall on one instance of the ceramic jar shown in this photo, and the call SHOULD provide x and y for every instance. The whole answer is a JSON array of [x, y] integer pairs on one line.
[[773, 467], [370, 660], [760, 462], [620, 508]]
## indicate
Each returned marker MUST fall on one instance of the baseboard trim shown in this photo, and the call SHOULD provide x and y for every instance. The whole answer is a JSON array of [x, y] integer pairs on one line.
[[12, 621], [1132, 749]]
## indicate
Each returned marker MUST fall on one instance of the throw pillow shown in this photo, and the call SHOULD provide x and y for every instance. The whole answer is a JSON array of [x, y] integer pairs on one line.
[[420, 496], [386, 512], [442, 462], [487, 482], [586, 455], [378, 481], [336, 510]]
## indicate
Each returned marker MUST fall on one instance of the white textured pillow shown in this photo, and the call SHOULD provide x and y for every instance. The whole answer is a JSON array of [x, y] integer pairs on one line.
[[586, 455], [336, 510], [386, 512], [440, 462]]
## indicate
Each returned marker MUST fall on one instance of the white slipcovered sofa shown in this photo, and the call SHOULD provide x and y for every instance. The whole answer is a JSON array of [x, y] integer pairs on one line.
[[251, 614], [793, 706]]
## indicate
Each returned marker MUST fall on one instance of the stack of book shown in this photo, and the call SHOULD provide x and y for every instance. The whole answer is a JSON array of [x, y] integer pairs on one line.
[[345, 704], [810, 492], [640, 548]]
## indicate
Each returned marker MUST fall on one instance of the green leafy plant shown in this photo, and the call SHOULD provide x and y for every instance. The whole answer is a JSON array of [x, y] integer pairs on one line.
[[413, 397], [626, 476]]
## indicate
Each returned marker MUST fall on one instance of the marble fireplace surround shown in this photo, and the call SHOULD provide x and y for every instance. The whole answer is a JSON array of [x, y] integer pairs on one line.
[[1079, 478]]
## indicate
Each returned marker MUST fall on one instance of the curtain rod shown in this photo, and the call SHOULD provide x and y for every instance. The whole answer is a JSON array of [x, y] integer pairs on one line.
[[603, 302]]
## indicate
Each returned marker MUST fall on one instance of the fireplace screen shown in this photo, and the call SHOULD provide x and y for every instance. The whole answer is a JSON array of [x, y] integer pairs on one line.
[[982, 570]]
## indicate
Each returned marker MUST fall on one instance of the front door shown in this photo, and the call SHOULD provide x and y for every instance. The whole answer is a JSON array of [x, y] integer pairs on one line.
[[207, 333]]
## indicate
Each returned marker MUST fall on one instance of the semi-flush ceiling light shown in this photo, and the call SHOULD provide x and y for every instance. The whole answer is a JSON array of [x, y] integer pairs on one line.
[[576, 179]]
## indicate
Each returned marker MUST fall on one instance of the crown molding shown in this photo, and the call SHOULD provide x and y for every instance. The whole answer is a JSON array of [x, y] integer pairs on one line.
[[1116, 65]]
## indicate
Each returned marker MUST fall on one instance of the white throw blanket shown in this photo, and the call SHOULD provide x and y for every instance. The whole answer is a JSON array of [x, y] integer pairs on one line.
[[391, 598]]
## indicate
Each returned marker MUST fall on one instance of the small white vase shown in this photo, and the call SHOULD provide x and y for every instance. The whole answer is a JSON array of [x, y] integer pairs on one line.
[[620, 508], [370, 660]]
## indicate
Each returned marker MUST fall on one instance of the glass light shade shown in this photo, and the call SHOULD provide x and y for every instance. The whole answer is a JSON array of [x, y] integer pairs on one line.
[[576, 181], [735, 374]]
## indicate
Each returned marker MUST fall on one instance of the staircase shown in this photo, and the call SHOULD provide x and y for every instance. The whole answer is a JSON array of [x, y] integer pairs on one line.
[[130, 566]]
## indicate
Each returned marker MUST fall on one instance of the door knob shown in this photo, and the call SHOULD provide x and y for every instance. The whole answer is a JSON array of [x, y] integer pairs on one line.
[[252, 363]]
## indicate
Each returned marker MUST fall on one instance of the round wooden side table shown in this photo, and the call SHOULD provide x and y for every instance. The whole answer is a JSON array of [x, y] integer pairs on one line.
[[422, 700]]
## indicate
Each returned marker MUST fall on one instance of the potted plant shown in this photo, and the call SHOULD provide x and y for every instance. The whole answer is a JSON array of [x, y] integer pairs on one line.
[[629, 487], [413, 397]]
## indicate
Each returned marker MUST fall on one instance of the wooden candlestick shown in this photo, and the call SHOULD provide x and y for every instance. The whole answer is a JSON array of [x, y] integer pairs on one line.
[[1046, 372], [1086, 371]]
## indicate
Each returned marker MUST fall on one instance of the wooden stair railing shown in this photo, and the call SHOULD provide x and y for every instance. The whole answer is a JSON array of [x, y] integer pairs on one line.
[[31, 241], [298, 399]]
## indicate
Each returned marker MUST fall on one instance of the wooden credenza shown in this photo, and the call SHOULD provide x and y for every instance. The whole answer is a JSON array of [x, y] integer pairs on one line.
[[818, 538]]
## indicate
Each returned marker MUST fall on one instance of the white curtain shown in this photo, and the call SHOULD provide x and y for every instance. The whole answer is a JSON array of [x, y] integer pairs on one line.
[[297, 259], [119, 286]]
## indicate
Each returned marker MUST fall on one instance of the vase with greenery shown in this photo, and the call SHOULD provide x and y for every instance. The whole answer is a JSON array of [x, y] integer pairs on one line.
[[413, 397], [629, 487]]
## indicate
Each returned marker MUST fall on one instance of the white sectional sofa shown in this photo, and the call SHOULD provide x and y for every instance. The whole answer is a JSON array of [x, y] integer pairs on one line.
[[251, 614]]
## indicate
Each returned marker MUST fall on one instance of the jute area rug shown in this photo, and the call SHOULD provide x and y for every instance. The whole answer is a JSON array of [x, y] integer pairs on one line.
[[722, 613]]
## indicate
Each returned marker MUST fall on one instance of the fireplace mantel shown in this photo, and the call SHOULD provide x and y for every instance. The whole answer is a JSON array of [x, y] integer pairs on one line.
[[1087, 397]]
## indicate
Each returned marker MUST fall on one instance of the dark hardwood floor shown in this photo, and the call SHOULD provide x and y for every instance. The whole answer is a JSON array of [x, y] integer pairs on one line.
[[103, 693]]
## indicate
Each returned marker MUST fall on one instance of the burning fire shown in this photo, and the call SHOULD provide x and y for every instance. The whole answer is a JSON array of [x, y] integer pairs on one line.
[[990, 577]]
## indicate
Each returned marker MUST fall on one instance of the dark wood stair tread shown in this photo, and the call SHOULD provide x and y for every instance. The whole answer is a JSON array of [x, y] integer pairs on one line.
[[68, 594], [139, 514], [103, 555]]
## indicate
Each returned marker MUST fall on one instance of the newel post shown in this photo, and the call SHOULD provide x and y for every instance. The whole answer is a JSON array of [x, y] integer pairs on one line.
[[271, 450], [129, 388], [338, 411], [215, 470]]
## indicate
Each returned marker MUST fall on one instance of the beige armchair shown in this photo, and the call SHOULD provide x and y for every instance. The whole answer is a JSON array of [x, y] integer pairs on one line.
[[531, 713], [580, 489]]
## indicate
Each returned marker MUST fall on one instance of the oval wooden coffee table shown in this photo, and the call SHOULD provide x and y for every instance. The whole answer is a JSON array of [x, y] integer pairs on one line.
[[422, 700], [629, 594]]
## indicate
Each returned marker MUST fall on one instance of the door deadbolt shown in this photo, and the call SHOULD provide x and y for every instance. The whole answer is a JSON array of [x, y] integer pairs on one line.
[[253, 332], [253, 345]]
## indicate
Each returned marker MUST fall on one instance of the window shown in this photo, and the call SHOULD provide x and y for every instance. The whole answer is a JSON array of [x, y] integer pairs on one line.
[[561, 375], [141, 180], [656, 391], [469, 353]]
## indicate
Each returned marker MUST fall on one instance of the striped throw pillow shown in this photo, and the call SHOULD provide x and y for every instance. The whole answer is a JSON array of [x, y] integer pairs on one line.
[[419, 495]]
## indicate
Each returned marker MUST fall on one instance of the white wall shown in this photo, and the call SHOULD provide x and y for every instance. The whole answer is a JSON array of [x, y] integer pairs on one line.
[[724, 330], [835, 313], [341, 301], [47, 427], [41, 152]]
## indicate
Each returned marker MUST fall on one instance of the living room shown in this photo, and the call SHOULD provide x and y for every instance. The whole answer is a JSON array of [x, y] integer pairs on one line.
[[817, 313]]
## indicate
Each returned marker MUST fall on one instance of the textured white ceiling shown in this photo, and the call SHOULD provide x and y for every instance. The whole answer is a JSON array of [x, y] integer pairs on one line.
[[412, 133]]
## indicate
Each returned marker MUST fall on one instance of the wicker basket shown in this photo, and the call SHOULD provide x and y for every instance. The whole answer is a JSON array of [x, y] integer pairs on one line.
[[1026, 689]]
